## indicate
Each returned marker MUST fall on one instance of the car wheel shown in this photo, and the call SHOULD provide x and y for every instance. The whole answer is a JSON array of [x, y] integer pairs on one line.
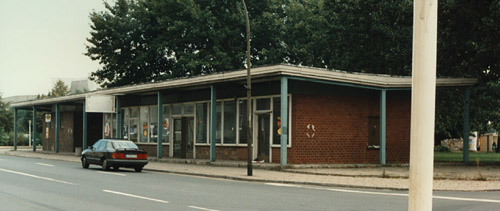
[[85, 164], [105, 165], [138, 169]]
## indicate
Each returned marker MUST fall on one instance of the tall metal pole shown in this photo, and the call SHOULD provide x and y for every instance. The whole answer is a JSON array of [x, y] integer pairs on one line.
[[249, 95], [15, 129], [423, 104], [34, 128]]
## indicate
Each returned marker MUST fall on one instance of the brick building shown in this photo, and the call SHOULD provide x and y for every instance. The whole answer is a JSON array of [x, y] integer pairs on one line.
[[299, 115]]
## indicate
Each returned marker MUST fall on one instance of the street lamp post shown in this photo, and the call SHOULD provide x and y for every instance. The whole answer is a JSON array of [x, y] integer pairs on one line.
[[249, 95]]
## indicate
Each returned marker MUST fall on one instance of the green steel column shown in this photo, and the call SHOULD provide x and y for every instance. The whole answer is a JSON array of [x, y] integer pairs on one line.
[[57, 127], [84, 145], [213, 121], [383, 105], [15, 129], [466, 125], [160, 126], [34, 128], [284, 120], [118, 134]]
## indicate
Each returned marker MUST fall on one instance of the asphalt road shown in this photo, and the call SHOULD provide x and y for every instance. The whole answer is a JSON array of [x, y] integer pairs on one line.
[[34, 184]]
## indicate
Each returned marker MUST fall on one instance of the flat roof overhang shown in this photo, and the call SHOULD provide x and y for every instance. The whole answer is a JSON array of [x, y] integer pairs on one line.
[[267, 73]]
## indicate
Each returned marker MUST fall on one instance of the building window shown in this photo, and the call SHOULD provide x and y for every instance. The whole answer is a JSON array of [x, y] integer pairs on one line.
[[373, 132], [201, 122], [177, 109], [166, 124], [125, 121], [218, 134], [144, 124], [277, 121], [134, 124], [188, 109], [153, 124], [229, 122], [263, 104], [243, 121]]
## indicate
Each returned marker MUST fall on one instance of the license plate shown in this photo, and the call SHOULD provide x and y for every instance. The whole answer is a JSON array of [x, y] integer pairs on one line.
[[130, 156]]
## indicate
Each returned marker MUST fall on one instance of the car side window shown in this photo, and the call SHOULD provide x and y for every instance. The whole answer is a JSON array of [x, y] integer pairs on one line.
[[110, 146], [96, 145], [102, 145]]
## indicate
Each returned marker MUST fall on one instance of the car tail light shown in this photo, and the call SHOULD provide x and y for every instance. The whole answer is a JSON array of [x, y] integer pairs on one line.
[[118, 155], [142, 156]]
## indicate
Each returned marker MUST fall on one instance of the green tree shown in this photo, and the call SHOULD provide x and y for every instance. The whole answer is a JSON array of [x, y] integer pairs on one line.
[[144, 41], [59, 89]]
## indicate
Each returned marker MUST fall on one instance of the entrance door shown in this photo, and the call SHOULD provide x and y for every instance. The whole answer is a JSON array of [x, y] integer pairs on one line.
[[263, 137], [183, 137]]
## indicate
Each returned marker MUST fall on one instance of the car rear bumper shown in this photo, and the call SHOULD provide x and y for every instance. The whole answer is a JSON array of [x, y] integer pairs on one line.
[[126, 163]]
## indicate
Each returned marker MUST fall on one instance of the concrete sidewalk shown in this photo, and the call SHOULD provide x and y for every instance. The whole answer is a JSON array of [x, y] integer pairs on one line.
[[447, 177]]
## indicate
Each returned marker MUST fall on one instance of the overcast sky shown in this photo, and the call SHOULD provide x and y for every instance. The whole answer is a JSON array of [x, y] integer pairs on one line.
[[41, 40]]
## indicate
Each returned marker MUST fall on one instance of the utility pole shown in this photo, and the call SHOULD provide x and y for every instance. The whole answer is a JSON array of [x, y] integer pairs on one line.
[[423, 104], [249, 95], [29, 132]]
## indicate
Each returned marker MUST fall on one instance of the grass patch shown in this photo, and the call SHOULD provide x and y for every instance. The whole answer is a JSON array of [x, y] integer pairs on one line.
[[458, 157]]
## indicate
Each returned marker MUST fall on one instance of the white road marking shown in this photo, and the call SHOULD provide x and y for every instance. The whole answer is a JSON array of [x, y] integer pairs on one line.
[[135, 196], [467, 199], [35, 176], [44, 164], [282, 185], [406, 195], [116, 174], [201, 208]]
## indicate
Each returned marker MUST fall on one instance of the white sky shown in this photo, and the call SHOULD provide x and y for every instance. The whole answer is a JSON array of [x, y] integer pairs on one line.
[[41, 40]]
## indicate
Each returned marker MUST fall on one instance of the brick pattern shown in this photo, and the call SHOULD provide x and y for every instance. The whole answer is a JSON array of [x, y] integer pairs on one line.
[[223, 152], [152, 150], [341, 128]]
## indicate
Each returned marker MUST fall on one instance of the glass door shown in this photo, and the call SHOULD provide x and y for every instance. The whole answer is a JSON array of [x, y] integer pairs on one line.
[[178, 139], [263, 137]]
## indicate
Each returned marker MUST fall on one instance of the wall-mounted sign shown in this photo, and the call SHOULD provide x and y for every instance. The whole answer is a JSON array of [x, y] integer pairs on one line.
[[48, 118], [100, 103]]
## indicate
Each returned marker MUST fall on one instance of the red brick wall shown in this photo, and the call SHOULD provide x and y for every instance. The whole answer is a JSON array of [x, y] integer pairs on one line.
[[341, 128], [223, 152], [151, 149], [398, 127]]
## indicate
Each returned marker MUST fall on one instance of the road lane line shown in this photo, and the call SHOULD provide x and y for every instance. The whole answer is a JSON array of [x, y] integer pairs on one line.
[[44, 164], [467, 199], [35, 176], [201, 208], [135, 196], [116, 174], [283, 185], [406, 195]]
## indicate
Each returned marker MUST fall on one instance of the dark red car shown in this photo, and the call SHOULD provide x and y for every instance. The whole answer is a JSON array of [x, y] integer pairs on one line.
[[115, 153]]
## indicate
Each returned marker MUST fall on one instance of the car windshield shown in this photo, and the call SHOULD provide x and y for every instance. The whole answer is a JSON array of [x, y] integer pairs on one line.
[[124, 145]]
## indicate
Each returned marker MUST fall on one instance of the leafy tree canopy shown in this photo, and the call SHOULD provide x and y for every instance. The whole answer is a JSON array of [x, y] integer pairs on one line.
[[150, 40]]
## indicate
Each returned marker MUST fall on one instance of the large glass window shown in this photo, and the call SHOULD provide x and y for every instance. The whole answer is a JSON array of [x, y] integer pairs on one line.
[[263, 104], [218, 134], [125, 121], [153, 124], [134, 124], [108, 126], [166, 124], [177, 109], [144, 121], [243, 121], [201, 122], [188, 109], [230, 122], [277, 122]]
